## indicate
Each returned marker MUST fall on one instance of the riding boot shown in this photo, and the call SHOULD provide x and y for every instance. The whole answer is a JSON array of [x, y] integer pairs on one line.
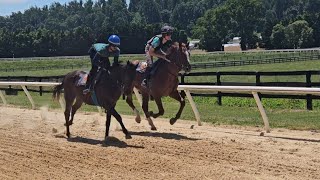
[[88, 87], [145, 81]]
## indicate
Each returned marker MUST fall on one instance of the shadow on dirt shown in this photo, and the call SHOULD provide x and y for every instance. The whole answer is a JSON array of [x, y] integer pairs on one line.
[[163, 135], [110, 141]]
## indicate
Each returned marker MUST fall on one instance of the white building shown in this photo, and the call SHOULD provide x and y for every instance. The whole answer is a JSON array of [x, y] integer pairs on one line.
[[233, 45]]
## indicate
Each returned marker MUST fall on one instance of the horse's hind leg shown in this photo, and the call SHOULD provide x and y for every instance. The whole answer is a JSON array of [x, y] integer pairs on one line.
[[74, 109], [160, 107], [69, 98], [115, 114], [175, 95], [145, 107], [130, 103]]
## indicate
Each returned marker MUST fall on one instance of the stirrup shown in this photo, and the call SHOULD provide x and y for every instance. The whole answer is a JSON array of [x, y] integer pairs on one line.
[[86, 91], [144, 83]]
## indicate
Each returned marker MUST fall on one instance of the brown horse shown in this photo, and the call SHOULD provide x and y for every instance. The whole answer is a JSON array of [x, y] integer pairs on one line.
[[108, 89], [164, 82]]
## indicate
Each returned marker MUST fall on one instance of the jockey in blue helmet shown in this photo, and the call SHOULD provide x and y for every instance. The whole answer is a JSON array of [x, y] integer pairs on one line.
[[156, 46], [99, 55]]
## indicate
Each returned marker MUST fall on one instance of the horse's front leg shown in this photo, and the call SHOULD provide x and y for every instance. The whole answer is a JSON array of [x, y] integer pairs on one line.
[[115, 114], [160, 108], [108, 121], [175, 95], [130, 103], [145, 107]]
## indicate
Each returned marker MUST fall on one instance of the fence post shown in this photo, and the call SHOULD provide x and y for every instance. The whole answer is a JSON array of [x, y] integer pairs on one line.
[[258, 80], [309, 96], [40, 87], [219, 93], [182, 79], [258, 83]]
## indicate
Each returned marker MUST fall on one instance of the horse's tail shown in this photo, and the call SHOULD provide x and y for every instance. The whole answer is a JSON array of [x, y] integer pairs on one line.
[[57, 91]]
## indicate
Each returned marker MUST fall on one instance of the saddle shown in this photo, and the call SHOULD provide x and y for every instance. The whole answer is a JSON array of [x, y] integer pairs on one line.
[[83, 79], [142, 67]]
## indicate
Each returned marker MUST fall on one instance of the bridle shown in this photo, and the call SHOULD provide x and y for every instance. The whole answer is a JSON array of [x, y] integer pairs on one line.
[[178, 63]]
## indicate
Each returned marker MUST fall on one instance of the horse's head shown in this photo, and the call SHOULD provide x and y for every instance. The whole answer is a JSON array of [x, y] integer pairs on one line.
[[129, 73], [179, 55]]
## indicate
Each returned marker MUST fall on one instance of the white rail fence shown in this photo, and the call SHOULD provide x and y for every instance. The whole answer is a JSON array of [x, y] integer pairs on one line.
[[254, 90]]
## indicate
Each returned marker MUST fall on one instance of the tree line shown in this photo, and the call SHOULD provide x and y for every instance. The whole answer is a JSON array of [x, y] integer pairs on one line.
[[70, 29]]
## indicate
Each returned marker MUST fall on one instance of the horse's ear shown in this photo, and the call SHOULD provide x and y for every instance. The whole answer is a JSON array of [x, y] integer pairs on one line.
[[180, 45], [128, 62]]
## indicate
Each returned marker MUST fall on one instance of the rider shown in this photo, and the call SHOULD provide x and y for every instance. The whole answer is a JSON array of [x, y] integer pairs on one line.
[[156, 47], [99, 55]]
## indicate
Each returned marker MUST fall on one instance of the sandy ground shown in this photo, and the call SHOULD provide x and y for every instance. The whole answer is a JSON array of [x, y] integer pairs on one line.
[[33, 146]]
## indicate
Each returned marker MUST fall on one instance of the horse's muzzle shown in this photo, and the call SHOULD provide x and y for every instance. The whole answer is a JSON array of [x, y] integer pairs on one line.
[[187, 68]]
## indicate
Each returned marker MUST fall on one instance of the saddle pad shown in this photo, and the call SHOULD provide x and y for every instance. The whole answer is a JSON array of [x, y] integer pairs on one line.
[[142, 66], [82, 80]]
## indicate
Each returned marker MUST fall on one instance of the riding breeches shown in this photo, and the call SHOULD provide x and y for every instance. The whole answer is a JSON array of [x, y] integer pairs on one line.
[[148, 57]]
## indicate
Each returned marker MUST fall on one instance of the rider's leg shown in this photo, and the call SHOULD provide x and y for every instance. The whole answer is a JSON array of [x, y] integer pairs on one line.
[[90, 81], [96, 78], [148, 70], [147, 77]]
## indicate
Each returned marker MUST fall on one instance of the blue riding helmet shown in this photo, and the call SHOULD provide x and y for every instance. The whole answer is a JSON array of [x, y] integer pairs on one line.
[[114, 39]]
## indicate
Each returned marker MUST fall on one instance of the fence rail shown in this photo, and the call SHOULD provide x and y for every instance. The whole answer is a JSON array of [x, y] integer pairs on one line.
[[206, 65], [216, 79]]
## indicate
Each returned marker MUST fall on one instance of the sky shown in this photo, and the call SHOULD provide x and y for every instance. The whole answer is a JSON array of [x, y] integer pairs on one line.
[[9, 6]]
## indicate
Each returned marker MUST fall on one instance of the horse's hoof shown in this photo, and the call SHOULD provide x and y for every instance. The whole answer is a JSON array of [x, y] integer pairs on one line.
[[138, 119], [128, 136], [153, 128], [65, 124], [173, 120]]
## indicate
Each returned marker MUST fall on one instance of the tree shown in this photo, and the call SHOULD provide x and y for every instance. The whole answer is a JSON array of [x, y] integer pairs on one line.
[[278, 37], [213, 28], [299, 34], [185, 14], [150, 10], [245, 17], [269, 23], [231, 19]]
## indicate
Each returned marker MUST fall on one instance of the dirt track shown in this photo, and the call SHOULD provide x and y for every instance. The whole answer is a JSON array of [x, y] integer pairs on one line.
[[33, 146]]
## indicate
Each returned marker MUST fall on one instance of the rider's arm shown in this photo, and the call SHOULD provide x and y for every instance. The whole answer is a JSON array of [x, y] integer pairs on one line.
[[104, 63], [96, 61], [152, 50], [116, 57], [153, 53], [115, 60]]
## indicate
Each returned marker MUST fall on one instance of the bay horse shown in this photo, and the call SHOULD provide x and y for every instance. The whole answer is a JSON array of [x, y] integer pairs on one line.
[[108, 89], [163, 82]]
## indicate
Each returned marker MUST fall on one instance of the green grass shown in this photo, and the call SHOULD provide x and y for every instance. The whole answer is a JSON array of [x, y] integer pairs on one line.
[[285, 113], [30, 65], [289, 66], [216, 57], [23, 66]]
